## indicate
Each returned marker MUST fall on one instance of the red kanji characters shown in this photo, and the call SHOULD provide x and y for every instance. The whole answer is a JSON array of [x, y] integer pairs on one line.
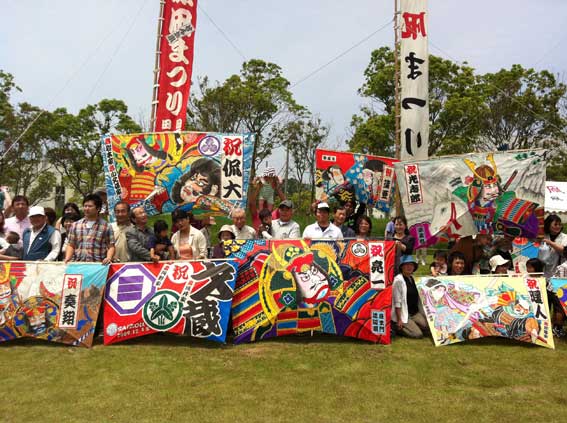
[[414, 25]]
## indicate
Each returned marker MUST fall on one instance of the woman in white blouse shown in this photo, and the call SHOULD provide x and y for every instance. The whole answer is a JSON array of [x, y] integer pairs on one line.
[[188, 242]]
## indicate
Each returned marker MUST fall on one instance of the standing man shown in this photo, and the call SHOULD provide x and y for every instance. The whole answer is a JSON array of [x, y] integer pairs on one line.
[[138, 236], [323, 228], [122, 215], [41, 241], [206, 231], [91, 238], [339, 221], [239, 226], [285, 227], [20, 221]]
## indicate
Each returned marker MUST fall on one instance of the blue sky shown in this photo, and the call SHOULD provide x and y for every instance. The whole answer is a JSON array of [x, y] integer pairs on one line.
[[69, 53]]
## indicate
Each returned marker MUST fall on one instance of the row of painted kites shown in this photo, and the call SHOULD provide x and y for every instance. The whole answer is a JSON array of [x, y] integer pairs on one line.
[[443, 198], [264, 289]]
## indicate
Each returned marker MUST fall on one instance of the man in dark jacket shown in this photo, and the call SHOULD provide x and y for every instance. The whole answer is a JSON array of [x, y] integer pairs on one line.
[[138, 236], [40, 241]]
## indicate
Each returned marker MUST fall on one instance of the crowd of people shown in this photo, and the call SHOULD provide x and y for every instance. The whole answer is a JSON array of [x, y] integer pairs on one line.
[[479, 255], [34, 233]]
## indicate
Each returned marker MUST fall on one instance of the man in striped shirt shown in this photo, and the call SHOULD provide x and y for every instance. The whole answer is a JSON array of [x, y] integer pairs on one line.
[[91, 238]]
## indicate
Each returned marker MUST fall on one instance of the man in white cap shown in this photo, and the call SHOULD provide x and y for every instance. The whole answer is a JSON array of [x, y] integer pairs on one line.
[[323, 228], [41, 241]]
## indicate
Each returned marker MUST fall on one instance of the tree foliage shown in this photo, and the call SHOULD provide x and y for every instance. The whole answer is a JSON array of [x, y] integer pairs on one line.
[[256, 100], [510, 109], [302, 137], [76, 147]]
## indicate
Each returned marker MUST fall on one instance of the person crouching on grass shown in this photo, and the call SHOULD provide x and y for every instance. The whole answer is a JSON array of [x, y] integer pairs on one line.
[[407, 318]]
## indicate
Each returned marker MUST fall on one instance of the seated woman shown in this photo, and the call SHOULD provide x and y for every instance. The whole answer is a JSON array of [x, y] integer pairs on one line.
[[457, 263], [407, 317]]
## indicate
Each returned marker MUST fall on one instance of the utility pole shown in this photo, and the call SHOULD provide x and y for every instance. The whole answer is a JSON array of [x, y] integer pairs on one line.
[[286, 167], [397, 199], [155, 87]]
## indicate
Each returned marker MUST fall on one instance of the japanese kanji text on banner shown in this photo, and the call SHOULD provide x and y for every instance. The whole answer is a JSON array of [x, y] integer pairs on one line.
[[50, 301], [334, 287], [414, 80], [176, 64], [206, 173]]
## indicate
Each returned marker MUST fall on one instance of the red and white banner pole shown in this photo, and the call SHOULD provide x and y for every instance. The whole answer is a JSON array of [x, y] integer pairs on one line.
[[178, 20]]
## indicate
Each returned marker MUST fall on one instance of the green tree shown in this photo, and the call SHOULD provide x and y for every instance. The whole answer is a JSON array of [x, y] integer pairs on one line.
[[522, 110], [256, 100], [23, 166], [76, 147], [454, 104], [23, 140], [302, 137], [7, 87]]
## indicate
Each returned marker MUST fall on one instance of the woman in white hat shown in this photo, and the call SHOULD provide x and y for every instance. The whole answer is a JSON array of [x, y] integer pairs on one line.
[[499, 265], [226, 233]]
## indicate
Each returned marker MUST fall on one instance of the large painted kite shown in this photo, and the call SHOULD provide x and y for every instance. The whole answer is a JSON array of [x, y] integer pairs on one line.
[[460, 308], [185, 298], [345, 176], [290, 287], [50, 301], [492, 193], [207, 173]]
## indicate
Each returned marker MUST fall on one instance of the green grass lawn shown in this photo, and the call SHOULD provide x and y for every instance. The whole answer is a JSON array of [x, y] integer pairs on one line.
[[322, 379]]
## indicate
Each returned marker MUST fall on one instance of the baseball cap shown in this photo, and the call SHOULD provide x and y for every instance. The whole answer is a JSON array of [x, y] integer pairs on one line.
[[496, 261], [286, 203], [323, 206], [36, 211]]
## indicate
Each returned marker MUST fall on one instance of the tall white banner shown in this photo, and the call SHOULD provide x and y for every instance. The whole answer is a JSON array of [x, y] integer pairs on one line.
[[414, 61]]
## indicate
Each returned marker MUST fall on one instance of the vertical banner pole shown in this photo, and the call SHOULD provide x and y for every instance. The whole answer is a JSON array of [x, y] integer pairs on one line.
[[156, 68]]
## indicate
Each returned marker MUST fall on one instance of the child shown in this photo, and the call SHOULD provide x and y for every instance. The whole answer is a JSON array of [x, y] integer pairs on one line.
[[13, 252], [265, 228], [534, 265], [439, 266], [161, 247], [269, 183]]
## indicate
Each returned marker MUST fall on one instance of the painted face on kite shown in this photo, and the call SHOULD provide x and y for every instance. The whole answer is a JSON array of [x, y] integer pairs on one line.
[[313, 284], [521, 308], [194, 187], [36, 318], [489, 192], [337, 175], [141, 155], [438, 292], [368, 176]]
